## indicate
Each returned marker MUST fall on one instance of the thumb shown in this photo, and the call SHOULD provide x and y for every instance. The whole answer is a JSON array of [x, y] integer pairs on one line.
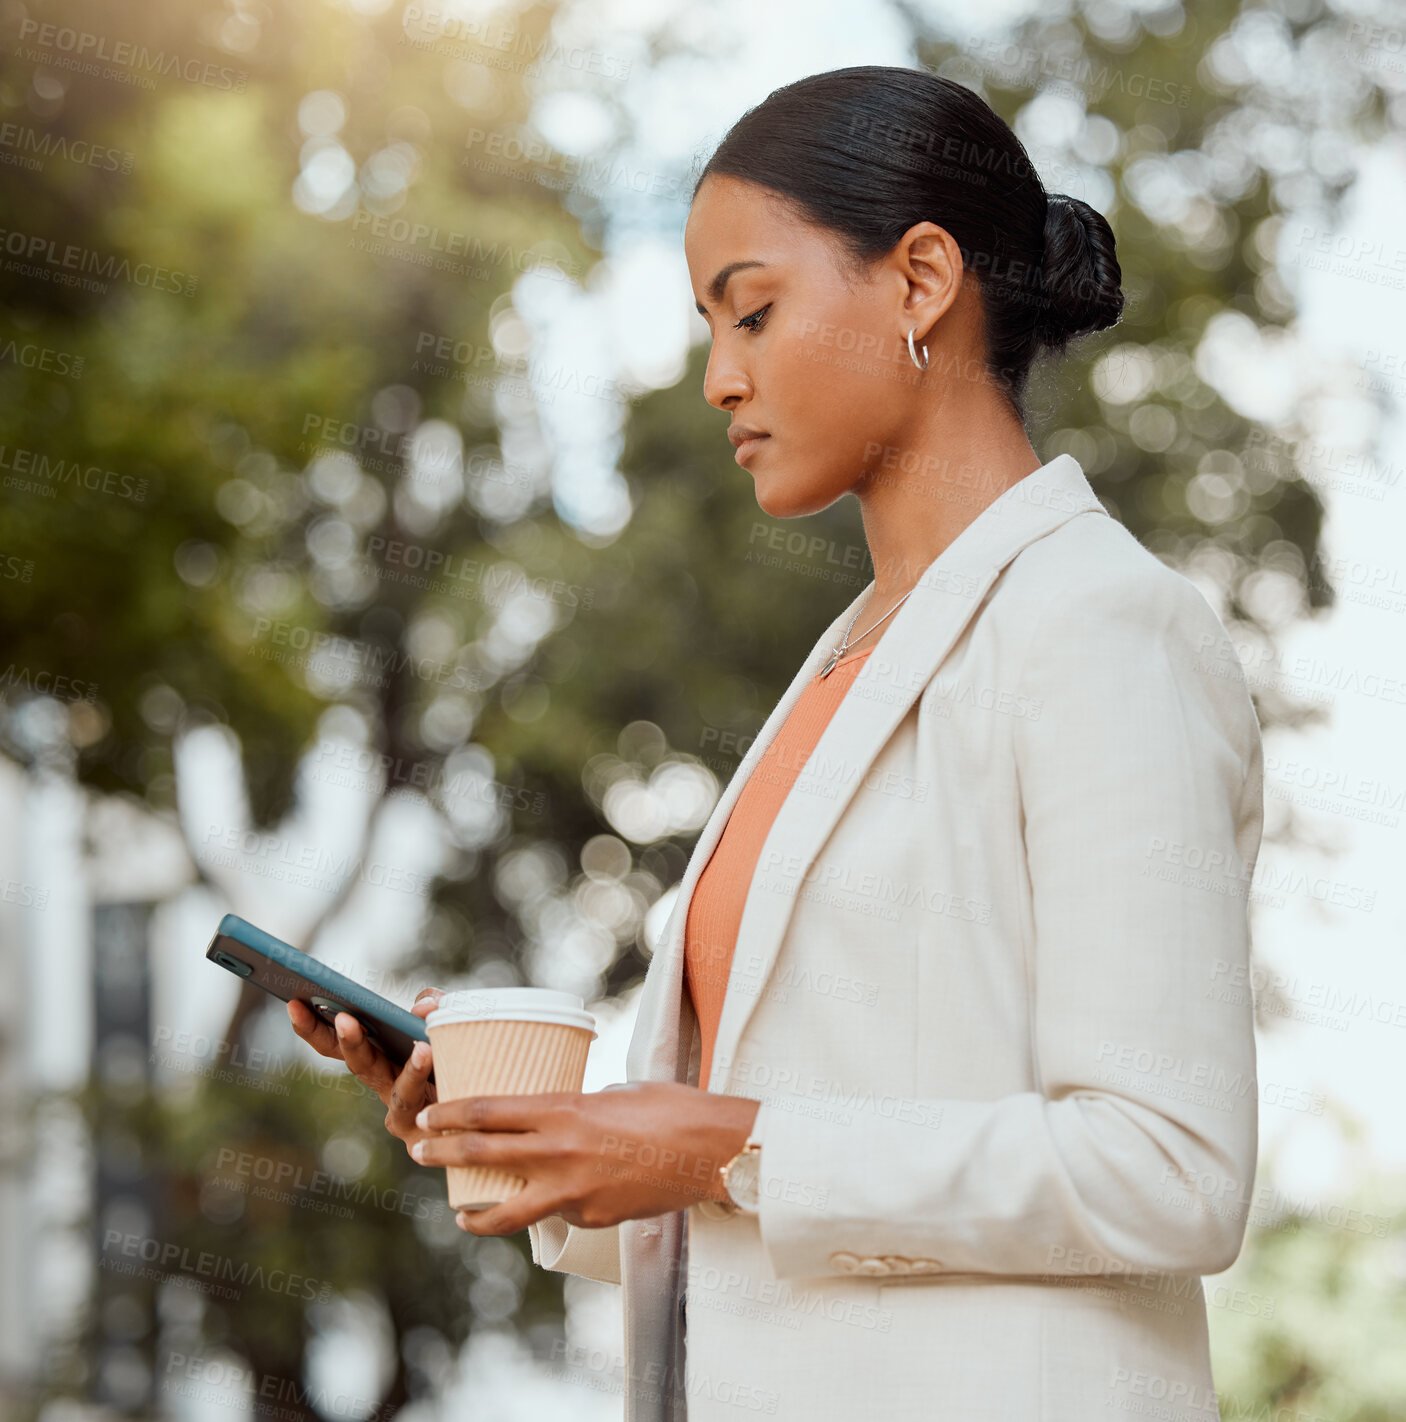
[[426, 1000]]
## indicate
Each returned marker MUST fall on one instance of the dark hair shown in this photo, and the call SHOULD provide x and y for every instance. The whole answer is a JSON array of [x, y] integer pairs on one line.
[[869, 151]]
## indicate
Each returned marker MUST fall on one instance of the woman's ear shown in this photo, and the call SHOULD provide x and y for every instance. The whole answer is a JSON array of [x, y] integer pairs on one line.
[[930, 262]]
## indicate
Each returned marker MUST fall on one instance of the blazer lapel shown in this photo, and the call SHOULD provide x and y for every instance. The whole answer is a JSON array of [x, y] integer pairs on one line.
[[919, 636], [659, 1047]]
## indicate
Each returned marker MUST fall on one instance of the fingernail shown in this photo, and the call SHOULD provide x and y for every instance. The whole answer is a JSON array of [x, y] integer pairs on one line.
[[422, 1120], [417, 1149]]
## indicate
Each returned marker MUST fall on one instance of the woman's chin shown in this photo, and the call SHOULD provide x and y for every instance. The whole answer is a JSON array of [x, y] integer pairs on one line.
[[775, 508], [779, 501]]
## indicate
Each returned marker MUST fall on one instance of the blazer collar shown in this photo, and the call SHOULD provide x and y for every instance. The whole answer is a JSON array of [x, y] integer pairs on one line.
[[918, 636]]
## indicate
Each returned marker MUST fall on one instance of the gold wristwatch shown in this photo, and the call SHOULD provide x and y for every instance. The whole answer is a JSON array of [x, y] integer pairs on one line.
[[741, 1179]]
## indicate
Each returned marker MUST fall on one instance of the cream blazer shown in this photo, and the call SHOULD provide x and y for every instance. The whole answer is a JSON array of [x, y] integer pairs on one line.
[[986, 989]]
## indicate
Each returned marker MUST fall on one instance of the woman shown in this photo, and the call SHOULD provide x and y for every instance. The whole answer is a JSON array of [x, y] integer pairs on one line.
[[950, 952]]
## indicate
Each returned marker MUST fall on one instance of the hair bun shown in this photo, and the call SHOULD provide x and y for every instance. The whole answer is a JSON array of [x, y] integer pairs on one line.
[[1080, 279]]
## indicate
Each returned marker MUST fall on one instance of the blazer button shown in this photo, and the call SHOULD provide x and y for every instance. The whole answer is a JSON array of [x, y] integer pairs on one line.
[[845, 1261], [925, 1266], [871, 1266]]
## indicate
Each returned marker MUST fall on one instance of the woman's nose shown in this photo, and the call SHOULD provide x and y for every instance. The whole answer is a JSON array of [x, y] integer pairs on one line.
[[725, 381]]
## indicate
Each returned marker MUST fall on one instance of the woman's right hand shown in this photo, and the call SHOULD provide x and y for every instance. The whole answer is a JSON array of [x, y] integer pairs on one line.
[[404, 1094]]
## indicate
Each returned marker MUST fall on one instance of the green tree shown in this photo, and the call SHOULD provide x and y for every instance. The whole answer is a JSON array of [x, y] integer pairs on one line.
[[253, 428]]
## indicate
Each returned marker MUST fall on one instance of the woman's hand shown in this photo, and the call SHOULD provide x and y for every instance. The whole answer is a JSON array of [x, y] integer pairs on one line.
[[403, 1094], [595, 1158]]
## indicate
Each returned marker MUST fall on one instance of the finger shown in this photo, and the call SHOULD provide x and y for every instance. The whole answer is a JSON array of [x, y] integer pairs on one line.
[[426, 1000], [409, 1094], [494, 1113], [528, 1206], [498, 1150], [367, 1064], [313, 1030]]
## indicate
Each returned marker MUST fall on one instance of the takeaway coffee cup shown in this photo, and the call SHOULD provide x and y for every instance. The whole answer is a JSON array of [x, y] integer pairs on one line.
[[515, 1041]]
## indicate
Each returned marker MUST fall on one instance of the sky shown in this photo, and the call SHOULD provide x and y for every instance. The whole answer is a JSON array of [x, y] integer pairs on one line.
[[1350, 328]]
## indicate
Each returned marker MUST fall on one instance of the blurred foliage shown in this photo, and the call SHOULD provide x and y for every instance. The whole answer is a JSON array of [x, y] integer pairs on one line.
[[219, 416], [277, 1193], [1308, 1323], [213, 401]]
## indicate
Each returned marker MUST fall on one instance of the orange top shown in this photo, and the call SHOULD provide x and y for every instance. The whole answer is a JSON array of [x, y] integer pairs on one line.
[[715, 910]]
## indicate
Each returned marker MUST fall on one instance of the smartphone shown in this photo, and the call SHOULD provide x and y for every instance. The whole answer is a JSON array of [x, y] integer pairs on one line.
[[282, 970]]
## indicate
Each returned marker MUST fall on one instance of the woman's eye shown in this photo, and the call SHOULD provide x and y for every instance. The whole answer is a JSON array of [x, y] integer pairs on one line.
[[754, 321]]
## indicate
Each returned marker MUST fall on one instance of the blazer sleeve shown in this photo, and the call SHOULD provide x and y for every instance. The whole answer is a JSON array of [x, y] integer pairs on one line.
[[569, 1249], [1141, 787]]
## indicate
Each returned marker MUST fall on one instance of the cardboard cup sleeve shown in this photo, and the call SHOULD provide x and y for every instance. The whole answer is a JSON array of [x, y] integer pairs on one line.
[[502, 1058]]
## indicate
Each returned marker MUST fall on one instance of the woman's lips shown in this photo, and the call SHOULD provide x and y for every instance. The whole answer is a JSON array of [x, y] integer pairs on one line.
[[748, 447]]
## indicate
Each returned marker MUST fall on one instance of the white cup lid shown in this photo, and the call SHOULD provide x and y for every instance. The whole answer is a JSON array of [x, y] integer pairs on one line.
[[512, 1004]]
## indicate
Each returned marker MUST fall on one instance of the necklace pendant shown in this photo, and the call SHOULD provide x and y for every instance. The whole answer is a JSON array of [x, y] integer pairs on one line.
[[830, 665]]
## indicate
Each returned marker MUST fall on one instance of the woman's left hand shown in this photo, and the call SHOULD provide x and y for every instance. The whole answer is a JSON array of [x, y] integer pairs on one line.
[[596, 1158]]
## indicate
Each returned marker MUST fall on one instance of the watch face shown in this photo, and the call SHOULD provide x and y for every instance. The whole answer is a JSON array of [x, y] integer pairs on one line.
[[742, 1175]]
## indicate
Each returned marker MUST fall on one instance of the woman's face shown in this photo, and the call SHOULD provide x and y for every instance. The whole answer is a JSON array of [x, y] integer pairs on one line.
[[819, 364]]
